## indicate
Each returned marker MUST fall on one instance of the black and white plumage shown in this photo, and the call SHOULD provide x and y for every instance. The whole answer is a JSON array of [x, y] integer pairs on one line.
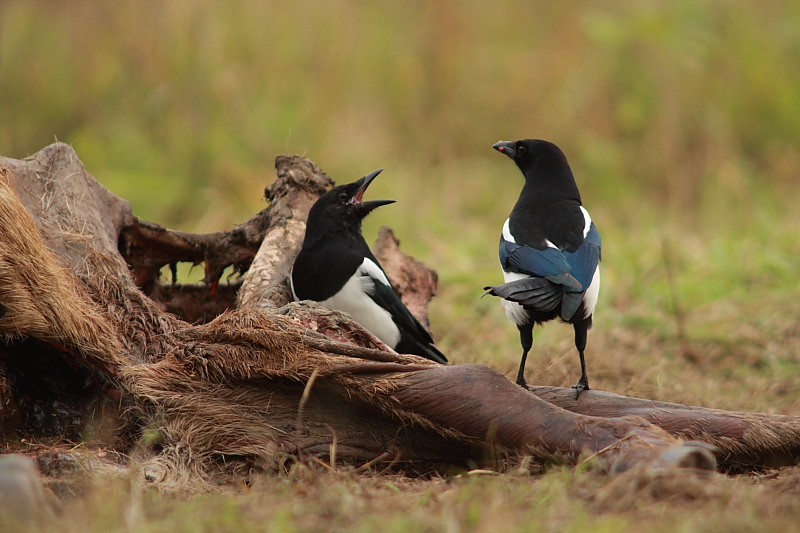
[[549, 250], [336, 268]]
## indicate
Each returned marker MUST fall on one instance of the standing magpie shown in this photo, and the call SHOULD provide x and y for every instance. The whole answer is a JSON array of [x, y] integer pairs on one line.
[[336, 268], [549, 250]]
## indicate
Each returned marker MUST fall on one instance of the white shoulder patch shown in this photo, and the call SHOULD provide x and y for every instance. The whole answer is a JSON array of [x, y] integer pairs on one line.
[[291, 286], [507, 232], [587, 224], [371, 269]]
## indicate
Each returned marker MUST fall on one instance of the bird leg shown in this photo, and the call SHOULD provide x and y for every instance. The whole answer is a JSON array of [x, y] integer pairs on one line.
[[583, 383], [526, 339], [581, 330]]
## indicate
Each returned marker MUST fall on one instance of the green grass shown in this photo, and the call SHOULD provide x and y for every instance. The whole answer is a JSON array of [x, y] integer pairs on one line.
[[680, 119], [314, 499]]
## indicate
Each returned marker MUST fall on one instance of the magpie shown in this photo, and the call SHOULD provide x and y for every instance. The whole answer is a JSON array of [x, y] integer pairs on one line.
[[549, 250], [336, 268]]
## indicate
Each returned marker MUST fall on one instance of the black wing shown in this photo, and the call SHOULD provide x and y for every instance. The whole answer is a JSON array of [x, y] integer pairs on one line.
[[414, 338], [321, 271]]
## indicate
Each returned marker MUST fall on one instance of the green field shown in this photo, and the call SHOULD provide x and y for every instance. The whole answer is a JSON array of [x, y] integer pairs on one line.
[[682, 124]]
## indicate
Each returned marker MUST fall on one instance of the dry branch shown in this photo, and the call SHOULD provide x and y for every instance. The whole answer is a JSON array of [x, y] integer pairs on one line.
[[213, 389]]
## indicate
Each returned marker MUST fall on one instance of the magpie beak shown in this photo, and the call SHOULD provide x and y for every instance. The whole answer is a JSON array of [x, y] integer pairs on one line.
[[506, 147], [368, 206]]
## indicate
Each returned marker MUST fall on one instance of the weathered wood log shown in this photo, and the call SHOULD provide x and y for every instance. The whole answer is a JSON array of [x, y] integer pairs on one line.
[[300, 182], [264, 381]]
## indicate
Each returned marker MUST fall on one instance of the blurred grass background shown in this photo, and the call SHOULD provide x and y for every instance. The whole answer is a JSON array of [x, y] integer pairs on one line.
[[681, 121]]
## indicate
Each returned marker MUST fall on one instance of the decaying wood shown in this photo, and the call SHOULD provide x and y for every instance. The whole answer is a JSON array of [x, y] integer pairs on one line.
[[300, 182], [218, 378]]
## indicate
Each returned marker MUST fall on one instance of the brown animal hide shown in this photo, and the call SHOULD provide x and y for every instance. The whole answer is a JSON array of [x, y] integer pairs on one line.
[[209, 381]]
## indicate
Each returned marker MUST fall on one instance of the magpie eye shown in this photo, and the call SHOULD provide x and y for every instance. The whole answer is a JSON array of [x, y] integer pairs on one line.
[[521, 150], [343, 196]]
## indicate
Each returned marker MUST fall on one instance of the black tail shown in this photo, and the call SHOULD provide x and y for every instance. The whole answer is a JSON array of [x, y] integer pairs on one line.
[[538, 293], [428, 351]]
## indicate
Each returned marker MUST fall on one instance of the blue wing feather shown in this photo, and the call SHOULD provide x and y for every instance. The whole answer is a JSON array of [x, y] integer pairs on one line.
[[583, 261], [570, 301], [573, 270], [570, 274], [549, 263], [528, 260]]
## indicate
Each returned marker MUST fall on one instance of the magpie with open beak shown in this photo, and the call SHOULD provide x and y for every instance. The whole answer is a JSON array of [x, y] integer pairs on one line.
[[549, 250], [336, 268]]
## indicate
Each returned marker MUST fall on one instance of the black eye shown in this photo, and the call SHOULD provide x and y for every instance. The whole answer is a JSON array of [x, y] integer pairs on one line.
[[521, 150], [343, 196]]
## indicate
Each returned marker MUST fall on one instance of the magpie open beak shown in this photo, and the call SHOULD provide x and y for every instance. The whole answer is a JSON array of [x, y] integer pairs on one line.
[[505, 147], [368, 206]]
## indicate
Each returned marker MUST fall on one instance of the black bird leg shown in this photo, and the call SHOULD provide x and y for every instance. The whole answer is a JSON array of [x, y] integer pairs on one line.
[[526, 339], [581, 330]]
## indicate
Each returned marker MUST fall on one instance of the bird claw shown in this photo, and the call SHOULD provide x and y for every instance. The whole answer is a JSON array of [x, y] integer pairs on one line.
[[522, 383], [580, 387]]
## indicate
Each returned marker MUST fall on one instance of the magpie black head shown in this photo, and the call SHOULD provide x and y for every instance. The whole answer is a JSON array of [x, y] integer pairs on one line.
[[529, 153], [344, 204], [543, 164]]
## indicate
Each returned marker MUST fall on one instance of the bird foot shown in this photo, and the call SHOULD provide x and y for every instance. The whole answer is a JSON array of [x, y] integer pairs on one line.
[[522, 383], [580, 387]]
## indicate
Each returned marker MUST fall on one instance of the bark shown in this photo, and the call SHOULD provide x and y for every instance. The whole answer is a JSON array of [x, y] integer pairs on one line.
[[211, 380]]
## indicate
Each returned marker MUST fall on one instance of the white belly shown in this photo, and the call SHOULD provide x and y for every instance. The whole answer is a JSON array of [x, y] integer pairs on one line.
[[590, 297], [354, 300]]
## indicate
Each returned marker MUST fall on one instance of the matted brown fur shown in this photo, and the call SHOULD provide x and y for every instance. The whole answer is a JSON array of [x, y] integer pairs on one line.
[[39, 297]]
